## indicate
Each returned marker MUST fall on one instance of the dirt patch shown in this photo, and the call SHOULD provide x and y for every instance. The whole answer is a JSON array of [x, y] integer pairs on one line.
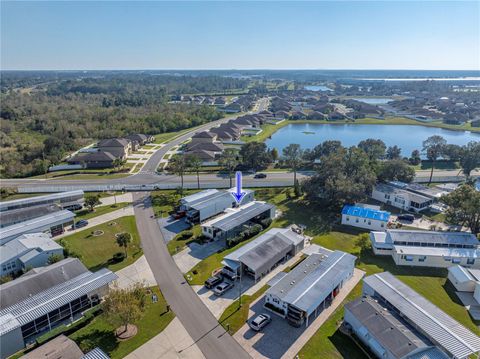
[[123, 334]]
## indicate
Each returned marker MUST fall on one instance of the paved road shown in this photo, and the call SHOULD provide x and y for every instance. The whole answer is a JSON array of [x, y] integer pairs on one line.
[[202, 326]]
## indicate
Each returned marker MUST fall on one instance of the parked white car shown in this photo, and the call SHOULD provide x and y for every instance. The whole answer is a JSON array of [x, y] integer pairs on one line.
[[222, 288], [260, 322]]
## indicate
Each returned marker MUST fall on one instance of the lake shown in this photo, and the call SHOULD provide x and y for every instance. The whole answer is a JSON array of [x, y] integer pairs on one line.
[[317, 88], [407, 137], [373, 100]]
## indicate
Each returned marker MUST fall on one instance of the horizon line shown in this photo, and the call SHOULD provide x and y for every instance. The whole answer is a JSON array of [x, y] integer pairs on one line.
[[242, 69]]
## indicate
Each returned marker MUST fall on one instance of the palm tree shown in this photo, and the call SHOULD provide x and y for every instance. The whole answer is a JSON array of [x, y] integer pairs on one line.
[[195, 163], [293, 156], [229, 161], [123, 239], [433, 147], [178, 166]]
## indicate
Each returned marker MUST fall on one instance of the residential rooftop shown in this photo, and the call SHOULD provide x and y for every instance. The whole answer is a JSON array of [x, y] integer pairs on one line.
[[32, 201], [438, 326], [364, 212], [31, 242]]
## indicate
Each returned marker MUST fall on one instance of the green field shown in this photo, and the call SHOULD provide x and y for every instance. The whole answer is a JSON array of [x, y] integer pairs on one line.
[[86, 214], [96, 251], [99, 333]]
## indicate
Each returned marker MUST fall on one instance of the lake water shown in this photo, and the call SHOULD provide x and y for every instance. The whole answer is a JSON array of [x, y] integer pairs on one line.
[[373, 100], [407, 137], [317, 88]]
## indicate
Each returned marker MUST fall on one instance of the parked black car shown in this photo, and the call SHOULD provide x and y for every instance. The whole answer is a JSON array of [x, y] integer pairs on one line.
[[213, 281], [80, 224], [260, 175], [406, 217]]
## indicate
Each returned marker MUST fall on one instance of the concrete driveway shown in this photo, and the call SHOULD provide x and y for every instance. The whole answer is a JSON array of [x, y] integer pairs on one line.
[[195, 253], [170, 227], [281, 340], [139, 271]]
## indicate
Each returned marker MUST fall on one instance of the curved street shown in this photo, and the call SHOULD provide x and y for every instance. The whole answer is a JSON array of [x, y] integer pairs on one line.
[[199, 322]]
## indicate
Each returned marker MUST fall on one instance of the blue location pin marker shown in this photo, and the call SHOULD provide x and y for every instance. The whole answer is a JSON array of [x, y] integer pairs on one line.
[[238, 194]]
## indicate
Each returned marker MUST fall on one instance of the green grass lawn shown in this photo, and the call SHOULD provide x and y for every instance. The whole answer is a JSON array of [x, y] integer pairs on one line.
[[178, 243], [96, 251], [86, 214], [99, 333], [233, 317]]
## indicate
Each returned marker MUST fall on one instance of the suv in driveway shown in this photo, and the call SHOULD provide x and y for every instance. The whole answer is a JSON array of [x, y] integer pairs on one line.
[[81, 223], [260, 322], [222, 288], [213, 281], [406, 217]]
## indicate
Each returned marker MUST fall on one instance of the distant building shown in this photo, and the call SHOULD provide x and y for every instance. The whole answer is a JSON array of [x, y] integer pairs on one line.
[[118, 147], [206, 204], [427, 248], [310, 286], [463, 279], [235, 220], [22, 322], [27, 251], [97, 159], [53, 223], [8, 218], [401, 198], [419, 316], [260, 256], [364, 217], [140, 138]]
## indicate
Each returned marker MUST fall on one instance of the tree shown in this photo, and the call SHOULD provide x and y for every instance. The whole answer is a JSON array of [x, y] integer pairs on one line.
[[274, 154], [255, 155], [54, 258], [117, 163], [375, 149], [229, 162], [91, 201], [396, 170], [293, 156], [123, 306], [393, 152], [363, 242], [5, 279], [123, 240], [195, 163], [452, 152], [433, 148], [178, 165], [345, 176], [463, 207], [415, 158], [323, 149], [470, 158]]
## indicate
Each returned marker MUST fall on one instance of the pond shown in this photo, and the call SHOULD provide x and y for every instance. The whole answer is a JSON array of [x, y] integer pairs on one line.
[[317, 88], [373, 100], [407, 137]]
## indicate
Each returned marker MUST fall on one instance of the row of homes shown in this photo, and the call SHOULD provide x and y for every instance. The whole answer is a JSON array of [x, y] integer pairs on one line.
[[104, 154], [395, 322], [40, 297]]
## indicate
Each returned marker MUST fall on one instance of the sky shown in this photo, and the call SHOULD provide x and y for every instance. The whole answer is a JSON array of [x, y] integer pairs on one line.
[[44, 35]]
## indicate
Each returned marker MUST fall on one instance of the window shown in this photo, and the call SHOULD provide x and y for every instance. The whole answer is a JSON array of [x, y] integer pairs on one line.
[[456, 260], [356, 221], [447, 259], [369, 223], [382, 225], [387, 196], [471, 261], [348, 218], [422, 259], [409, 258]]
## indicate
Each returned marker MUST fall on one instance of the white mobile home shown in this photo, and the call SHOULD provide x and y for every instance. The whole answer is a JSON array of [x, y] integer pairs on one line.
[[427, 248], [65, 200], [264, 253], [364, 217], [427, 319], [463, 279], [401, 198], [310, 286], [206, 204]]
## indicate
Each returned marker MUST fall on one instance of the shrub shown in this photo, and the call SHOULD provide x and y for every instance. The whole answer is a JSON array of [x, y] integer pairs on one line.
[[118, 257], [475, 123], [186, 234], [266, 222], [255, 229]]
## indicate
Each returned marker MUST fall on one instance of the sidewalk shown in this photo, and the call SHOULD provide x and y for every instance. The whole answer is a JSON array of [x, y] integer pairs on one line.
[[120, 198], [95, 221], [173, 343]]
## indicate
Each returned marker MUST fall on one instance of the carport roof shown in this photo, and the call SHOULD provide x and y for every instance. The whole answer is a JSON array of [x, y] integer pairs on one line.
[[312, 279], [242, 215], [262, 254]]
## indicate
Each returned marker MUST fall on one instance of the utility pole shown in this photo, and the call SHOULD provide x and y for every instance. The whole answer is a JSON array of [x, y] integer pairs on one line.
[[44, 164]]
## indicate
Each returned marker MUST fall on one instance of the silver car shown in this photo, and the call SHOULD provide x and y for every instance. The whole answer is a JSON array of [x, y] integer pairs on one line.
[[260, 322], [222, 288]]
